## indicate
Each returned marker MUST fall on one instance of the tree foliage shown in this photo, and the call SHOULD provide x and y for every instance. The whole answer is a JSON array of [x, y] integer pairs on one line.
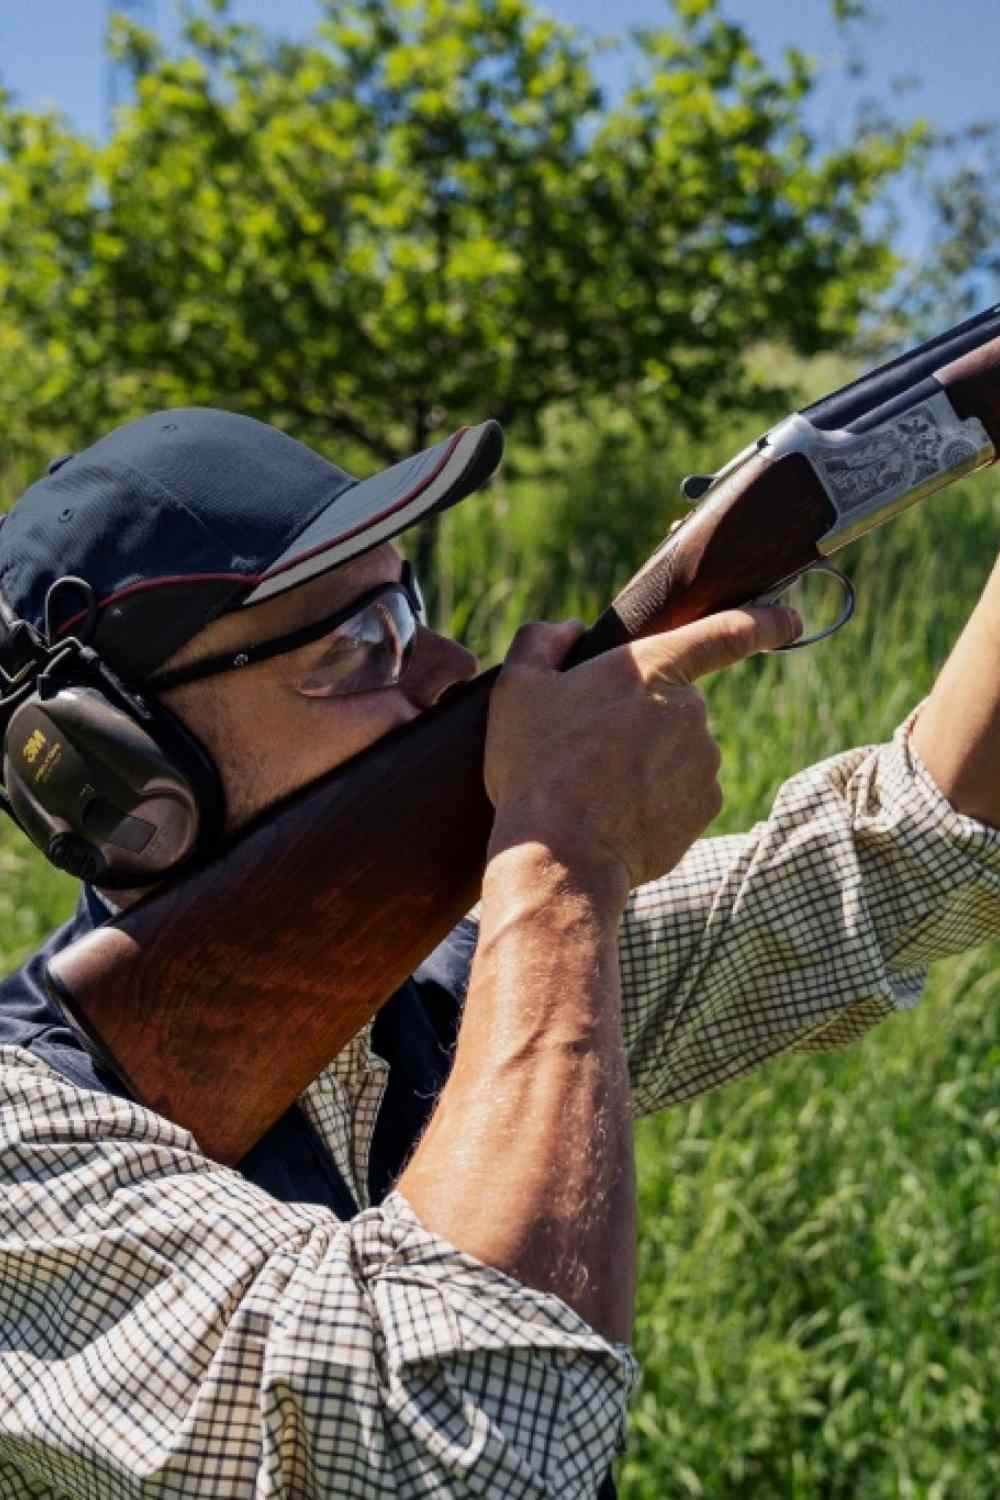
[[958, 174], [425, 214]]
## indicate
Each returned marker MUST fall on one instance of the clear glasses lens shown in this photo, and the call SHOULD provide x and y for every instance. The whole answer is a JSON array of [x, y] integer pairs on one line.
[[367, 652]]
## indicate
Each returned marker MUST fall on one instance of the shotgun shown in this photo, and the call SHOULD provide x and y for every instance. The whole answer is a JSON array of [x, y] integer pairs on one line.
[[220, 997]]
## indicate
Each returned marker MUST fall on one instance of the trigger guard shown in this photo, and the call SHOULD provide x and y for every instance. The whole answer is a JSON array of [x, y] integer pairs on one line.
[[850, 600]]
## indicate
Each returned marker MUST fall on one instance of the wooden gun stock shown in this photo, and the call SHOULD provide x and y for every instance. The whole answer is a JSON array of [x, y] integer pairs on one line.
[[219, 998]]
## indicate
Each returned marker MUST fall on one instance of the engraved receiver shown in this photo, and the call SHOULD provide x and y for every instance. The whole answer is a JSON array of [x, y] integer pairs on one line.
[[882, 443]]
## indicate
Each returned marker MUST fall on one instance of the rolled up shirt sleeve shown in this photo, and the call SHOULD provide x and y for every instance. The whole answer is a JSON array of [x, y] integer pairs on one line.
[[167, 1329], [808, 930]]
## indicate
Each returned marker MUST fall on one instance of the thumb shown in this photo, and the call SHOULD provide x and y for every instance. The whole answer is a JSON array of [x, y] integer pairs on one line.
[[543, 644], [722, 640]]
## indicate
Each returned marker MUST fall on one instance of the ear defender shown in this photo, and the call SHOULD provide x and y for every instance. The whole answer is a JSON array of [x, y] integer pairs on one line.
[[109, 785]]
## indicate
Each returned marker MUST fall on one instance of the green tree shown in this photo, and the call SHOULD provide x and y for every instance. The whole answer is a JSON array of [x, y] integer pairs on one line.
[[958, 177], [423, 215]]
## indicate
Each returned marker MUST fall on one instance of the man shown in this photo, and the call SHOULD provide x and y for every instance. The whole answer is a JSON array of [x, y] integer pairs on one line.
[[421, 1281]]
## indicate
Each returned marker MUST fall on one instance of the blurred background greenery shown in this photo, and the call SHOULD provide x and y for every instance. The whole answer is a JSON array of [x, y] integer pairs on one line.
[[428, 213]]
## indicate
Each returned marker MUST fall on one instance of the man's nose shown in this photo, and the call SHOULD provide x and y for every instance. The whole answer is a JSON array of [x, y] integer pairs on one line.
[[438, 663]]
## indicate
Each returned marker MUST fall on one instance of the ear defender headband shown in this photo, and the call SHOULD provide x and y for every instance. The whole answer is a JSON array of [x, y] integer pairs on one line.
[[107, 783]]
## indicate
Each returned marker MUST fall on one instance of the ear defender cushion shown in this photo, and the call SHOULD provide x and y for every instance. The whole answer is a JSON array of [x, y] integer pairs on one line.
[[116, 791]]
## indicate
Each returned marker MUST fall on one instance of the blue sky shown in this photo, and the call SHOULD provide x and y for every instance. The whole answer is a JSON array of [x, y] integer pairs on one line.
[[51, 50]]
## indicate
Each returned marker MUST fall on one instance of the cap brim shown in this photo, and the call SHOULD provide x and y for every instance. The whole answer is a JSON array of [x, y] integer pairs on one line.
[[375, 509]]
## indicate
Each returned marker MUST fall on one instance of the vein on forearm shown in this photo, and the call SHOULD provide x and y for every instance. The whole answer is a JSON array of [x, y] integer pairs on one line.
[[527, 1162]]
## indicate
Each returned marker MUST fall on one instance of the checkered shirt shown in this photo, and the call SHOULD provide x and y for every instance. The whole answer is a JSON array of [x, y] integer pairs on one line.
[[169, 1330]]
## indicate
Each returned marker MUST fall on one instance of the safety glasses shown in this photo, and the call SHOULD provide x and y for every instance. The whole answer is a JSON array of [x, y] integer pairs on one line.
[[369, 647]]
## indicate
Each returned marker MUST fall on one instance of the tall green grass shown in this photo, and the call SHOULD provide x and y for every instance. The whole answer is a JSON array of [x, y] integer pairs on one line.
[[820, 1243], [821, 1270]]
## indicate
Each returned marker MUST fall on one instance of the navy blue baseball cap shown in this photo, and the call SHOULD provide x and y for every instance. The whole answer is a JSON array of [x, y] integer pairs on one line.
[[185, 515]]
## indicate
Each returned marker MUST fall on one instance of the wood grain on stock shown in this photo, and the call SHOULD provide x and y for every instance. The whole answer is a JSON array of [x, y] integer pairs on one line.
[[221, 997]]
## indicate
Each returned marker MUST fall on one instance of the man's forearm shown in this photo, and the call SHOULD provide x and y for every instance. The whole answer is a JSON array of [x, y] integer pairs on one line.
[[527, 1162], [602, 777], [957, 735]]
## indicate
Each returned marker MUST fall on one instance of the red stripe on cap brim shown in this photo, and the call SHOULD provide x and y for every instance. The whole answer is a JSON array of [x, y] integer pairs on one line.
[[255, 580], [370, 521]]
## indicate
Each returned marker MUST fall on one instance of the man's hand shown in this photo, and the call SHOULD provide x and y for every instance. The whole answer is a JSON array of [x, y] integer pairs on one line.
[[601, 776], [613, 763]]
